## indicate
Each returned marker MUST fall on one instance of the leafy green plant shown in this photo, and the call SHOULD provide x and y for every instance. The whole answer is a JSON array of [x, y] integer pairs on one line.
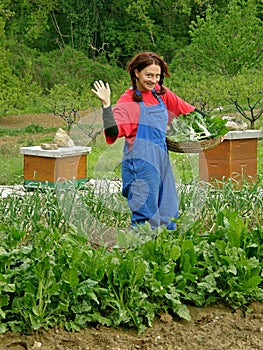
[[50, 274], [195, 127]]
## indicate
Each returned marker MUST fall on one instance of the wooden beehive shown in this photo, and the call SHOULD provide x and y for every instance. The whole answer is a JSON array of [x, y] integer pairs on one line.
[[52, 166], [235, 157]]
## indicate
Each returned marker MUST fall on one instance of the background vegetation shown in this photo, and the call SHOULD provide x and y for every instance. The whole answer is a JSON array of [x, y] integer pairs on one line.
[[52, 51]]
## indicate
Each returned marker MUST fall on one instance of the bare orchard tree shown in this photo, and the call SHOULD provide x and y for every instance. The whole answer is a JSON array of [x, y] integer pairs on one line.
[[91, 130], [72, 117], [250, 112], [245, 93], [67, 104]]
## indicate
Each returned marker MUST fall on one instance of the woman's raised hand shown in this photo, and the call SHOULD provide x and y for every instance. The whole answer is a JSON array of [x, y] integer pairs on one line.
[[102, 91]]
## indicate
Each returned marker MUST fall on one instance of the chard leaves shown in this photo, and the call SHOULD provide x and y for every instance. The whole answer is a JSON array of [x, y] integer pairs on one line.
[[195, 127]]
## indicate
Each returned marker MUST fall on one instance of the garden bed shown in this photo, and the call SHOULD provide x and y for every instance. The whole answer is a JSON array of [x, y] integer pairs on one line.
[[214, 327]]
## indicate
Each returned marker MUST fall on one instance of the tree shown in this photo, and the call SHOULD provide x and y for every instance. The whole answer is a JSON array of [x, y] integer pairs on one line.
[[227, 44], [9, 84], [245, 93], [30, 22], [109, 31]]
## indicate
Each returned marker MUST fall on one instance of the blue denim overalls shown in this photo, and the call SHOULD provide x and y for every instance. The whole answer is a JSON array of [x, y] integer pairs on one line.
[[148, 180]]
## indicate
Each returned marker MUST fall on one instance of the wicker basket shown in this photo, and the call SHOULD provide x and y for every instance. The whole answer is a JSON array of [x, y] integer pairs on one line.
[[191, 146]]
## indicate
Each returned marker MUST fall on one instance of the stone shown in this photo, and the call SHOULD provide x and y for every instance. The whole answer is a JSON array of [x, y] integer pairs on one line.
[[235, 123], [62, 139], [49, 146]]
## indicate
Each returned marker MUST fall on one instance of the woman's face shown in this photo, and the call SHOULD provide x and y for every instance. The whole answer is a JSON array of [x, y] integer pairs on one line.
[[148, 77]]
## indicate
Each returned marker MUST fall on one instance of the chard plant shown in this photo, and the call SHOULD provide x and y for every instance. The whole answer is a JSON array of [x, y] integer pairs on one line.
[[52, 275]]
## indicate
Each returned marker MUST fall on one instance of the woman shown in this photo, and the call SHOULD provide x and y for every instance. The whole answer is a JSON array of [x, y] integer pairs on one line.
[[141, 116]]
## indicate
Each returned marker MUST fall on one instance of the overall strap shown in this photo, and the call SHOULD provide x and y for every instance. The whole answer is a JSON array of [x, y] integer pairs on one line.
[[154, 92]]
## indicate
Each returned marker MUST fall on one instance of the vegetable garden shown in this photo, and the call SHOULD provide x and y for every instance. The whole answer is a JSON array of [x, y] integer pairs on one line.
[[53, 275]]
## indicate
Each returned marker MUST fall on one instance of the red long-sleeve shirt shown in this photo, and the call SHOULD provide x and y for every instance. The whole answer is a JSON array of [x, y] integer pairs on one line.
[[127, 112]]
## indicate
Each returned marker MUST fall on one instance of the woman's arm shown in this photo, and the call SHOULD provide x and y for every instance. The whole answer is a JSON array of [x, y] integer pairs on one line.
[[109, 122], [102, 91], [201, 112]]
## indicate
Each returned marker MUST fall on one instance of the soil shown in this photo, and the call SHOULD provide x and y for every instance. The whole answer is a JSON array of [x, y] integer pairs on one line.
[[215, 327], [21, 121], [210, 328], [88, 118]]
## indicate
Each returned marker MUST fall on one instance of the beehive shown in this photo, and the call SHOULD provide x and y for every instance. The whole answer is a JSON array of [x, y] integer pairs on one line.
[[51, 166], [235, 157]]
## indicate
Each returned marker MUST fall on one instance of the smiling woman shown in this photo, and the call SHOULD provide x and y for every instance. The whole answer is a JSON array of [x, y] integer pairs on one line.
[[141, 116], [148, 77]]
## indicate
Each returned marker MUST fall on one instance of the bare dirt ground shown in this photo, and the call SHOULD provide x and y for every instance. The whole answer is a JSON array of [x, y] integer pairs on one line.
[[88, 119], [211, 328], [45, 120], [19, 121]]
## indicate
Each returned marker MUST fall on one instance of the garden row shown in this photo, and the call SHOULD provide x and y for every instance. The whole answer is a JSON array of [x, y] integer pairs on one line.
[[54, 271]]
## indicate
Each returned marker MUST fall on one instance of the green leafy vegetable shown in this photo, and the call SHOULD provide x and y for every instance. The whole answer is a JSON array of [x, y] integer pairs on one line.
[[50, 275], [195, 127]]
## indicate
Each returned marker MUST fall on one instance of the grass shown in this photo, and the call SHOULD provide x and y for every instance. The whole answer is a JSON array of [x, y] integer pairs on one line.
[[30, 129]]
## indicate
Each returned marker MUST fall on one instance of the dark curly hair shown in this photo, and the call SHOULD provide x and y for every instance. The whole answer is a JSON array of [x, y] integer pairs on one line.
[[139, 62]]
